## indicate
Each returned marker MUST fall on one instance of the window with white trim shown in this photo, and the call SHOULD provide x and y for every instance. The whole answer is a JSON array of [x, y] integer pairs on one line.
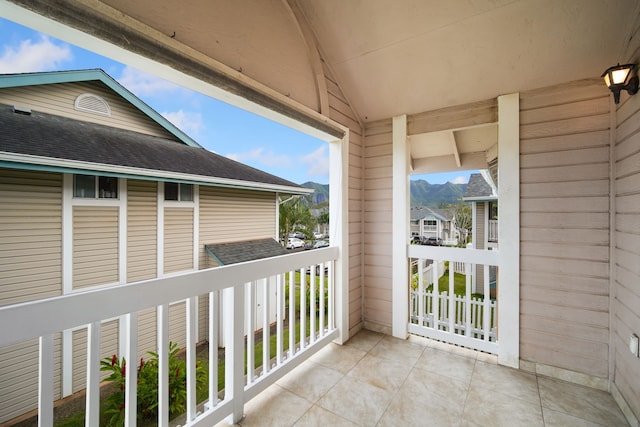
[[178, 192], [95, 187]]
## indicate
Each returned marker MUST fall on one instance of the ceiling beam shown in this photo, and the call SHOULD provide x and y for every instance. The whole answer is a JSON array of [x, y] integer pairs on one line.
[[454, 148]]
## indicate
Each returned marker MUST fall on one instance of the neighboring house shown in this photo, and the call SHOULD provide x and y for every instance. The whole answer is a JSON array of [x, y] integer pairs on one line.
[[481, 192], [428, 222], [98, 189]]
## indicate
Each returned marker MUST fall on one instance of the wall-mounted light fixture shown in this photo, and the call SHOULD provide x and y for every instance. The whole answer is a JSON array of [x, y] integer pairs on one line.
[[621, 77]]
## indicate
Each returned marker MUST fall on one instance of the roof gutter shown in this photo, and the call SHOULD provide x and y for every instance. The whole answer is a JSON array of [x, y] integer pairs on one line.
[[50, 164]]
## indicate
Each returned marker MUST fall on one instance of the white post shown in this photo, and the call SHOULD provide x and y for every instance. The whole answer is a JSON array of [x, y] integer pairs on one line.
[[234, 350], [130, 332], [92, 411], [192, 314], [162, 313], [213, 348], [400, 228], [339, 230], [45, 382], [508, 284]]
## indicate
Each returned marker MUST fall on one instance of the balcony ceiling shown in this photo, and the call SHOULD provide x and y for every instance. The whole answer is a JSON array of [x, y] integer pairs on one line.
[[389, 57]]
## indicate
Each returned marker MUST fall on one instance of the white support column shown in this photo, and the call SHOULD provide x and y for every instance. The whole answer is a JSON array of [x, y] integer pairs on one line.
[[162, 313], [122, 259], [45, 384], [191, 358], [339, 230], [92, 409], [67, 279], [508, 284], [160, 231], [400, 228], [234, 350], [131, 355]]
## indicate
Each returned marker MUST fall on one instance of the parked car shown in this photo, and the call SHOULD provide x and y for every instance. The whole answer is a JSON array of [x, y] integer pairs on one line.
[[318, 236], [295, 243], [297, 235], [320, 244], [434, 241], [416, 240]]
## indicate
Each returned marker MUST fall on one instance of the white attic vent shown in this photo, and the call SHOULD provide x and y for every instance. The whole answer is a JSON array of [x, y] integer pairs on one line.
[[92, 104]]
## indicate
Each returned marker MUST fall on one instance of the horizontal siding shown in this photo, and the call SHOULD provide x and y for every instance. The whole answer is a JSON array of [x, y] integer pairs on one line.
[[19, 379], [178, 239], [178, 324], [142, 233], [95, 246], [377, 214], [228, 215], [108, 347], [59, 98], [626, 302], [30, 235], [564, 249]]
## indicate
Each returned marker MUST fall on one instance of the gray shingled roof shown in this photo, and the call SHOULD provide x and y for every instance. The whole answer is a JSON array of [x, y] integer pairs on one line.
[[46, 135], [249, 250], [478, 189], [420, 212]]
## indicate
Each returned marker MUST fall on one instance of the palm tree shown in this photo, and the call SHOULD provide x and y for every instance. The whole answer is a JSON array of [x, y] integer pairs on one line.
[[294, 216]]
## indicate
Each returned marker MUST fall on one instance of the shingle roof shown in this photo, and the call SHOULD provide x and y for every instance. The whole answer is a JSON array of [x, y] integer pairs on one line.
[[478, 189], [40, 134], [421, 212], [249, 250]]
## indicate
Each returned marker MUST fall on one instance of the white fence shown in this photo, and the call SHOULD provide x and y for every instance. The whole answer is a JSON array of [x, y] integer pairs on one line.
[[437, 312], [237, 284], [459, 312]]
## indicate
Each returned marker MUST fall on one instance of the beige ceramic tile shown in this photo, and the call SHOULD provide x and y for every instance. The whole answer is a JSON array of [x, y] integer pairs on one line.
[[339, 357], [310, 380], [453, 349], [443, 363], [510, 383], [425, 409], [275, 407], [398, 350], [560, 419], [357, 401], [381, 373], [364, 340], [579, 401], [319, 417], [421, 382], [496, 410]]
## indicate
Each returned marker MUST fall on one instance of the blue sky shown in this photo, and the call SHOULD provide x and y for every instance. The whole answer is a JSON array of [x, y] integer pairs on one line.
[[217, 126]]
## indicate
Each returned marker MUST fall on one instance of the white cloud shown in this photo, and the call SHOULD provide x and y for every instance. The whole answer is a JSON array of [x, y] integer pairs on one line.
[[143, 84], [188, 122], [317, 163], [262, 157], [460, 180], [34, 56]]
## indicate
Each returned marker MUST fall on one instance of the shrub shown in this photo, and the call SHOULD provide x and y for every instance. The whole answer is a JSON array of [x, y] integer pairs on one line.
[[147, 398]]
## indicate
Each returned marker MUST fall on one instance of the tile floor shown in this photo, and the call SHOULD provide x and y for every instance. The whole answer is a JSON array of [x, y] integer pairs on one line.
[[377, 380]]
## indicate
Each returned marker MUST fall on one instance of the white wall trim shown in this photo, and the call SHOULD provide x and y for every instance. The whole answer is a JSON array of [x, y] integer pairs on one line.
[[160, 230], [508, 288], [400, 228]]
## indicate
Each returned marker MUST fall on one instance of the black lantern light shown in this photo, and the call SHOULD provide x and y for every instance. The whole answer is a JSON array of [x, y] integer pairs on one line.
[[621, 77]]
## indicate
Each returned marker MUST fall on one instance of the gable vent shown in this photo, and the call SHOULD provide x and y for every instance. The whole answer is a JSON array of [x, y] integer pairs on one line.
[[92, 104]]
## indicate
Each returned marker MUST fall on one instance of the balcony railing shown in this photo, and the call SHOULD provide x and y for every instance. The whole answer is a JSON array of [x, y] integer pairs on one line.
[[293, 277], [493, 230]]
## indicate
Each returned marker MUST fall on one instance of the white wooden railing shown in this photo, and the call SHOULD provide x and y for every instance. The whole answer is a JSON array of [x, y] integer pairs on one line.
[[237, 284], [461, 320], [493, 230]]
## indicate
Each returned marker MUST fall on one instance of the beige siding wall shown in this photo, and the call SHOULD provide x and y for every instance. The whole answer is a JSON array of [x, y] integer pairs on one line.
[[30, 269], [108, 347], [58, 99], [178, 239], [95, 246], [142, 201], [564, 224], [626, 268], [30, 235], [377, 225]]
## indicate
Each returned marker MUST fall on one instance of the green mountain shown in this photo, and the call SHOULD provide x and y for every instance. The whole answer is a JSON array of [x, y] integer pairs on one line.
[[434, 195], [422, 193]]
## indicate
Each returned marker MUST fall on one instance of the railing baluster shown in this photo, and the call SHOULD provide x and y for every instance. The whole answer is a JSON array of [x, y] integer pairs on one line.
[[436, 295], [279, 317], [45, 381], [234, 352], [467, 299], [303, 309], [266, 336], [214, 325], [131, 355], [312, 305], [92, 417], [330, 296], [162, 315], [452, 295], [421, 294], [322, 304], [250, 309], [192, 313], [486, 316], [292, 313]]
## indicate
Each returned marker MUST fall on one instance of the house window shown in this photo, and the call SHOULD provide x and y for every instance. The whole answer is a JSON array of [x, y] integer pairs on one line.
[[95, 187], [178, 192]]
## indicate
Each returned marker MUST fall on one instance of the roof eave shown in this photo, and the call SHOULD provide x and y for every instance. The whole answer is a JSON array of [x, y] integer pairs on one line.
[[25, 161]]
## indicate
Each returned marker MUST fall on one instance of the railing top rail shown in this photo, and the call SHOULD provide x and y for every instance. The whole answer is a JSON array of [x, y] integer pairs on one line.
[[51, 315], [474, 256]]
